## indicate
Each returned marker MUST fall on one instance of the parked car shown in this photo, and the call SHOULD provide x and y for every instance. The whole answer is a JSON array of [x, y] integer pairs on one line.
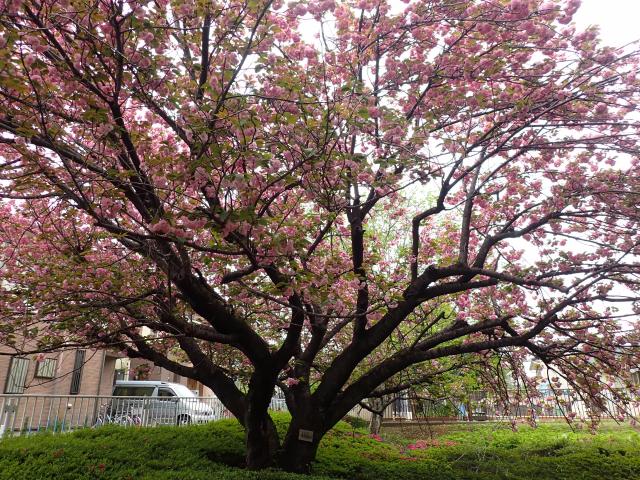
[[154, 402]]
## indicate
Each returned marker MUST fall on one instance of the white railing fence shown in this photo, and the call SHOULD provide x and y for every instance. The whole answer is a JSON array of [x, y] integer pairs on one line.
[[561, 403], [483, 405], [24, 414]]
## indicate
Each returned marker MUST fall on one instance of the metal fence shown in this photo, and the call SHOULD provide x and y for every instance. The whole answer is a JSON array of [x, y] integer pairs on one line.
[[484, 405], [26, 414], [561, 403]]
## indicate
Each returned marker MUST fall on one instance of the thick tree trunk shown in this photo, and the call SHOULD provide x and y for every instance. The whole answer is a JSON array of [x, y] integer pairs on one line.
[[301, 443], [261, 434], [262, 442]]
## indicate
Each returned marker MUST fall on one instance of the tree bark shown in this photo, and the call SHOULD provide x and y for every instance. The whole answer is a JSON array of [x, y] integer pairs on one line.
[[375, 423], [298, 451], [377, 405], [262, 441], [261, 435]]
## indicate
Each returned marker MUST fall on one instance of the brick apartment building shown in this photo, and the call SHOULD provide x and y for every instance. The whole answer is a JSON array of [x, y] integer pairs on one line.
[[70, 372], [54, 390], [79, 372]]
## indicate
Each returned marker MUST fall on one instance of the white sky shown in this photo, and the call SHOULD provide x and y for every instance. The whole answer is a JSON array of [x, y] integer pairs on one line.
[[619, 20]]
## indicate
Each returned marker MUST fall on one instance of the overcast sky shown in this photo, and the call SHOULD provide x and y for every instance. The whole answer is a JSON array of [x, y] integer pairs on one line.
[[619, 20]]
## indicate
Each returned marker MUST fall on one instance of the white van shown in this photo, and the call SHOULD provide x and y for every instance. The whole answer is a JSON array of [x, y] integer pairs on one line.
[[167, 403]]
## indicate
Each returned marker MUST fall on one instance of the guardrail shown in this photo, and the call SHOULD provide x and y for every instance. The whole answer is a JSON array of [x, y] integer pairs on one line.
[[26, 414]]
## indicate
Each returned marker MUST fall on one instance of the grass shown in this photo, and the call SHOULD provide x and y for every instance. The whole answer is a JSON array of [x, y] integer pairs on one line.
[[215, 451]]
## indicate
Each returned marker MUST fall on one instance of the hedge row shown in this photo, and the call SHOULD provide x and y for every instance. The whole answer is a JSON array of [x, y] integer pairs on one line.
[[216, 450]]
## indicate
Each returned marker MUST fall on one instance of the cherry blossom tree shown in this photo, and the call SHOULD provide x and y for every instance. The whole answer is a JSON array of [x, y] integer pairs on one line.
[[288, 194]]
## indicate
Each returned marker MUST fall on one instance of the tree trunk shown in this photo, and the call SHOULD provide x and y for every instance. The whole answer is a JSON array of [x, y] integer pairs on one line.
[[375, 423], [261, 435], [262, 442], [301, 444], [377, 405]]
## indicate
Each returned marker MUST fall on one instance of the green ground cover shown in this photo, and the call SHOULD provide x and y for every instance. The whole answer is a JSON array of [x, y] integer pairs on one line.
[[215, 451]]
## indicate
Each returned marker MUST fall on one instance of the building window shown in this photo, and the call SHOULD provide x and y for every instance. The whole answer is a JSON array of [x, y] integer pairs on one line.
[[17, 378], [122, 369], [46, 368], [120, 374], [76, 376]]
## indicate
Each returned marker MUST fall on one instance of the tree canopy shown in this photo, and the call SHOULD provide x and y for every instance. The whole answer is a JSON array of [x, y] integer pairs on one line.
[[319, 195]]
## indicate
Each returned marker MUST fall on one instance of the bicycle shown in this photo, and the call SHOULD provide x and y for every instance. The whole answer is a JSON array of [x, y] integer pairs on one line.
[[127, 420], [124, 419]]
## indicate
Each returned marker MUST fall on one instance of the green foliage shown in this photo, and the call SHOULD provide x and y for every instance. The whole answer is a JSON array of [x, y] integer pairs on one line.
[[113, 452], [216, 450], [344, 453], [356, 422], [551, 451]]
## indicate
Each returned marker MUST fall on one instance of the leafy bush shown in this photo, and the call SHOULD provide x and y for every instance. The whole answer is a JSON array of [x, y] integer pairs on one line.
[[113, 452], [216, 450], [356, 455], [551, 451], [356, 422]]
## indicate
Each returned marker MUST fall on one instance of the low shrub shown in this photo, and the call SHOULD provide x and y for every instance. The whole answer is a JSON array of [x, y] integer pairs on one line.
[[356, 422], [216, 450], [551, 451]]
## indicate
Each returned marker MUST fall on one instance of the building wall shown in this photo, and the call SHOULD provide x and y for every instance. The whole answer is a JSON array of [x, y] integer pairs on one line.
[[47, 403], [98, 374], [96, 379]]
